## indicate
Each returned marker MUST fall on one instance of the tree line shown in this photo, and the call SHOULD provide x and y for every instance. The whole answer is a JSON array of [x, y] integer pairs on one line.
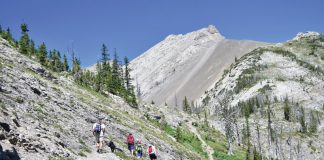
[[111, 75]]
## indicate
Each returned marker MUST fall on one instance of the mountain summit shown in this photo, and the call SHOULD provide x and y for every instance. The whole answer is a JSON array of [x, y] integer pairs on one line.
[[185, 65]]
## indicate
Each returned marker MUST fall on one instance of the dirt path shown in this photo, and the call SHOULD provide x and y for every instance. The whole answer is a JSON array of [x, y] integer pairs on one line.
[[204, 145], [103, 156]]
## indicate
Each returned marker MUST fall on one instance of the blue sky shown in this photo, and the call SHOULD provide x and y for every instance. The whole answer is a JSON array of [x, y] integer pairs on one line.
[[133, 26]]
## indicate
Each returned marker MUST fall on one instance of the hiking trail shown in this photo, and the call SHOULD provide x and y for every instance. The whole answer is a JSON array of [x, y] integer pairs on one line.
[[204, 145], [96, 156]]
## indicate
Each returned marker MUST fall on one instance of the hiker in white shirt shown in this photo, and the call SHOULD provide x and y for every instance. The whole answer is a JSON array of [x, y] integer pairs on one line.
[[98, 131], [152, 152]]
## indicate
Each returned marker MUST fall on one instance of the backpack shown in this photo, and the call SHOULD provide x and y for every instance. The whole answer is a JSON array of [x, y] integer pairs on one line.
[[130, 139], [98, 128], [150, 149], [139, 148]]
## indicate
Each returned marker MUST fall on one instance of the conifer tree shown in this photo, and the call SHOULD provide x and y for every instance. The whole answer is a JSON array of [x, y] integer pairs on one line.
[[104, 57], [24, 40], [32, 49], [185, 105], [65, 64], [7, 36], [127, 77], [248, 135], [42, 54], [313, 123], [178, 134], [302, 120], [287, 109], [98, 82], [76, 64], [116, 84]]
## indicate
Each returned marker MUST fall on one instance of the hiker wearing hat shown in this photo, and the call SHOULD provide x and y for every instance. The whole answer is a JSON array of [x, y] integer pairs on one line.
[[98, 131]]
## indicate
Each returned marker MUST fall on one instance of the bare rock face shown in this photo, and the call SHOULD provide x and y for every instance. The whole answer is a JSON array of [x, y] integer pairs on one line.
[[212, 29], [309, 34], [185, 65]]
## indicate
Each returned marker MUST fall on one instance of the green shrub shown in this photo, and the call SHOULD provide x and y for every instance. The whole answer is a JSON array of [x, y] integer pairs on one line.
[[19, 100]]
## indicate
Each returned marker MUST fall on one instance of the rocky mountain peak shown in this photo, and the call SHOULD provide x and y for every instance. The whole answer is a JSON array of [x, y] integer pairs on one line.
[[310, 34], [212, 29]]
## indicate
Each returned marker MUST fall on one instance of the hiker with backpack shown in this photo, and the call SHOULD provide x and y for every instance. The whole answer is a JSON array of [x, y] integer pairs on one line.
[[130, 143], [98, 131], [139, 149], [152, 152]]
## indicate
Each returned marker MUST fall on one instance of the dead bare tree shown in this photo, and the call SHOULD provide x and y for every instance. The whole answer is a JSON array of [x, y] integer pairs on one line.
[[229, 115]]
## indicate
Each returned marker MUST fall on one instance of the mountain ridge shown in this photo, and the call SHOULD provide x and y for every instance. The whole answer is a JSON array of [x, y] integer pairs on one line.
[[168, 61]]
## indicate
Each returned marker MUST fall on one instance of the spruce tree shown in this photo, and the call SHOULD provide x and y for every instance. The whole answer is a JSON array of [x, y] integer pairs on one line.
[[65, 63], [302, 120], [42, 54], [24, 40], [127, 76], [58, 66], [287, 109], [313, 123], [98, 81], [104, 56], [76, 64], [185, 105], [115, 75], [7, 36], [32, 49], [248, 135], [178, 134]]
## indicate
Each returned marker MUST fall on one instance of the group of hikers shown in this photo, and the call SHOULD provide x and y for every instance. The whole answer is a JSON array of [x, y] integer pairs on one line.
[[135, 147]]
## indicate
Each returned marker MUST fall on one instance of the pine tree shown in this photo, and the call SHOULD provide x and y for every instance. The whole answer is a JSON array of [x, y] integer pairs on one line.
[[57, 63], [193, 107], [313, 123], [248, 135], [127, 76], [7, 36], [256, 155], [104, 57], [42, 54], [116, 83], [287, 109], [32, 49], [105, 70], [24, 40], [65, 63], [302, 120], [76, 64], [98, 81], [178, 134], [185, 105]]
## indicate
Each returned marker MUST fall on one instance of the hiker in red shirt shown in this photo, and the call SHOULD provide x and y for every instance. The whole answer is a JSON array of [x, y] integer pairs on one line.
[[130, 143], [152, 152]]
